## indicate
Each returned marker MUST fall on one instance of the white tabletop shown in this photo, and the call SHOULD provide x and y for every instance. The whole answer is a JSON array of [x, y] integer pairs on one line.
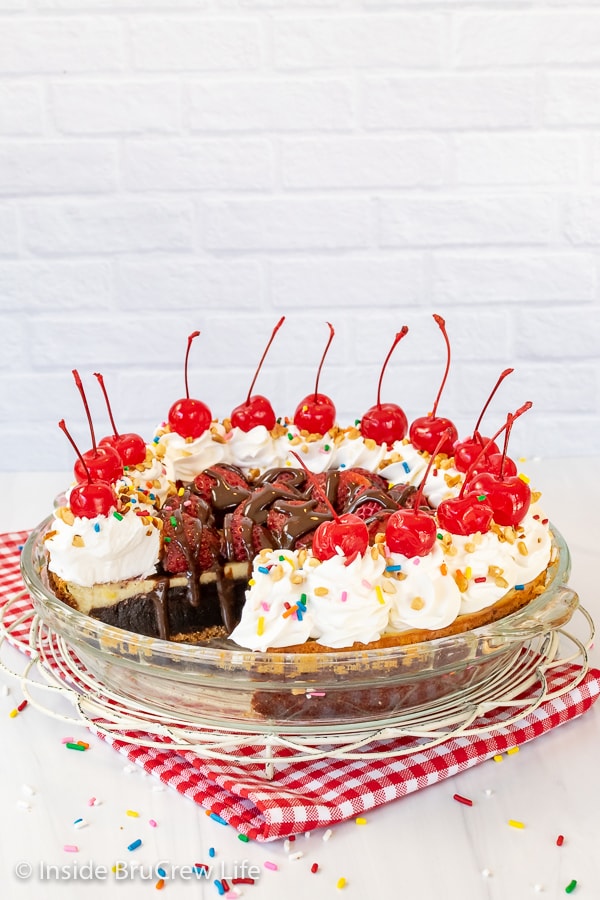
[[424, 846]]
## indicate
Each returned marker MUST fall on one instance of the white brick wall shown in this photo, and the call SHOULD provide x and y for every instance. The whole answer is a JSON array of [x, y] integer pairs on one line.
[[172, 165]]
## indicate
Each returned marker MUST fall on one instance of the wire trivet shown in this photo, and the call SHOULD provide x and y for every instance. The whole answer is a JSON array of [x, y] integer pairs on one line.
[[54, 671]]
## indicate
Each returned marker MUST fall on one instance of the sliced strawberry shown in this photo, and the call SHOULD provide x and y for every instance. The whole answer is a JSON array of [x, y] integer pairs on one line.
[[351, 481], [377, 523]]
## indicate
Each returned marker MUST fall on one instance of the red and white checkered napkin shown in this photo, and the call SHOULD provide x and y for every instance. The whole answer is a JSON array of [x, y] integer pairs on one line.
[[317, 793]]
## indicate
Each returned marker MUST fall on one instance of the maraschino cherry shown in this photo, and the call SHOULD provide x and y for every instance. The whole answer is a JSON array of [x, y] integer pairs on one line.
[[385, 423], [425, 431], [466, 451], [412, 532], [473, 509], [188, 417], [101, 463], [346, 534], [131, 447], [90, 498], [256, 409], [316, 413], [508, 495]]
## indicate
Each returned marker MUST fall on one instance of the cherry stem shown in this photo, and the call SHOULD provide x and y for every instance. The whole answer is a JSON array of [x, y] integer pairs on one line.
[[191, 337], [63, 427], [490, 398], [331, 334], [105, 392], [509, 424], [316, 485], [86, 407], [444, 437], [403, 331], [442, 326], [510, 419], [262, 359]]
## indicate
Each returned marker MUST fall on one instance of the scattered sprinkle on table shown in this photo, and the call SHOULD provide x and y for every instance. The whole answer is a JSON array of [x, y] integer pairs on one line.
[[132, 813], [512, 750], [211, 851], [217, 818], [135, 844], [515, 824], [560, 840], [71, 746], [244, 838], [152, 823], [498, 757], [297, 855], [273, 867], [341, 883], [327, 834], [464, 800], [314, 868], [160, 884], [571, 887], [361, 821], [71, 848]]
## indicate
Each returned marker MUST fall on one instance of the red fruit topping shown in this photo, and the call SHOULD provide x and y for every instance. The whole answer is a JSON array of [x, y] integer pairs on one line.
[[188, 417], [347, 535], [412, 532], [385, 422], [99, 463], [426, 431], [473, 511], [316, 413], [90, 498], [466, 451], [493, 463], [465, 514], [508, 495], [256, 409], [131, 447]]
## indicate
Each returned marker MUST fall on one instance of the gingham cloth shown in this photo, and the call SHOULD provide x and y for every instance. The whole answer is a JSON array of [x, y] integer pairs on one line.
[[317, 793]]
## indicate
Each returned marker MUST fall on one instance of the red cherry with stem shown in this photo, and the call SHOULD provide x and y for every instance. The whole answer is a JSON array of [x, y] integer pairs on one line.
[[256, 409], [508, 495], [494, 463], [130, 447], [471, 511], [103, 463], [91, 498], [346, 533], [466, 451], [385, 423], [188, 417], [316, 413], [411, 531], [425, 431]]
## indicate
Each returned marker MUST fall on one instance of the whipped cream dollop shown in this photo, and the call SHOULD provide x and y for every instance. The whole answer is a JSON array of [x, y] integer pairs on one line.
[[293, 597], [103, 549], [184, 458], [423, 594]]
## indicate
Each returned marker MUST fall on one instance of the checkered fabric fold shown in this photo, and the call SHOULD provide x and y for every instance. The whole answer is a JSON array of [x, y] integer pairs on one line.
[[305, 795]]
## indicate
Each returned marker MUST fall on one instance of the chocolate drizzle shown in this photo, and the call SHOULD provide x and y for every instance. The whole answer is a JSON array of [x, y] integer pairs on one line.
[[281, 509]]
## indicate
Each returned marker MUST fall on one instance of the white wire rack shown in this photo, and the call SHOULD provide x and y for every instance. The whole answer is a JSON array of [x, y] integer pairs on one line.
[[52, 672]]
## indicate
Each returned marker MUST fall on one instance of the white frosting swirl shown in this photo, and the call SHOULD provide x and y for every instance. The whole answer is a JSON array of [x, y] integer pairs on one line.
[[103, 549], [185, 459], [354, 607], [425, 598], [263, 623]]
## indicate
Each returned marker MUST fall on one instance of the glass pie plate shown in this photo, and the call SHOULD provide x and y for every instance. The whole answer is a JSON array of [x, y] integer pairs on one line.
[[225, 686]]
